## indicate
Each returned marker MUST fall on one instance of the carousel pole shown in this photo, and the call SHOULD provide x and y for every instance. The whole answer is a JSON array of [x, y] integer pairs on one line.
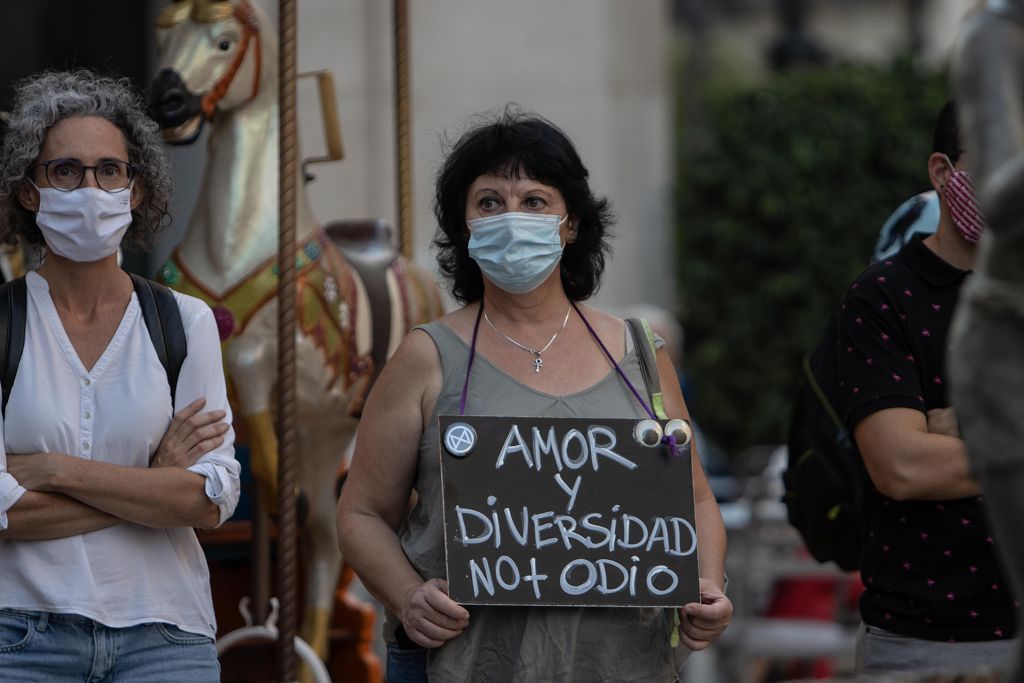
[[286, 525], [403, 131]]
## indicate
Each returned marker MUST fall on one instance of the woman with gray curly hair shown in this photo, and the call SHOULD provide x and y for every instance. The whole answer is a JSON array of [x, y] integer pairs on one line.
[[104, 471], [50, 97]]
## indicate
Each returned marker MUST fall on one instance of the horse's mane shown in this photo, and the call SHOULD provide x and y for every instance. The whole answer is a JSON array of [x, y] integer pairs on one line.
[[200, 11]]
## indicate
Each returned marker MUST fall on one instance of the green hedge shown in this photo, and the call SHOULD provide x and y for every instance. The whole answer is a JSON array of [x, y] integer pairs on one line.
[[778, 208]]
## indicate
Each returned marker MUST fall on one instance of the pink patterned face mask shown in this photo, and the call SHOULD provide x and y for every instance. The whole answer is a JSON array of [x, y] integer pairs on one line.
[[963, 207]]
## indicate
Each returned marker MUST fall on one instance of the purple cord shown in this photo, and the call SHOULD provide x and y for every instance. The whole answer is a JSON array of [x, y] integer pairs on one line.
[[614, 364], [472, 355], [668, 439]]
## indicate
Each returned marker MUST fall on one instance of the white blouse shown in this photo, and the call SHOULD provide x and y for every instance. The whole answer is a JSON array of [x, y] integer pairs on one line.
[[126, 574]]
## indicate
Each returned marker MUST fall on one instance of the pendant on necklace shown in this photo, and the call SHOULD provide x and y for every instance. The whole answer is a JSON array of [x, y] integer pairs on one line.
[[537, 362]]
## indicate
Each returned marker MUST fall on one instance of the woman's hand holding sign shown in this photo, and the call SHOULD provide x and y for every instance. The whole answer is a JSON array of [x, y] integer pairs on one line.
[[700, 624], [429, 616]]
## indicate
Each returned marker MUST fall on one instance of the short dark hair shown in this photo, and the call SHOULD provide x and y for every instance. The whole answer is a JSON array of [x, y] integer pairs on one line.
[[946, 138], [513, 144]]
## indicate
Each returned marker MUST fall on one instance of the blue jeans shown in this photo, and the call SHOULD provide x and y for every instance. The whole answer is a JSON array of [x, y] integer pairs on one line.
[[37, 647], [406, 665]]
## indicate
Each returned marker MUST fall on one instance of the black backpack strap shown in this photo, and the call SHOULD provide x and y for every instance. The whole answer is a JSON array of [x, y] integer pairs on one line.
[[163, 320], [643, 341], [13, 316]]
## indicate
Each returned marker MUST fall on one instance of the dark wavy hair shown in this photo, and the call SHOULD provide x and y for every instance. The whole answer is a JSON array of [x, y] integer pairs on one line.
[[40, 102], [515, 144]]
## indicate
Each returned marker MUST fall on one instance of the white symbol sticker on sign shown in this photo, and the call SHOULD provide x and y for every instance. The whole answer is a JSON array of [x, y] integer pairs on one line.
[[459, 439]]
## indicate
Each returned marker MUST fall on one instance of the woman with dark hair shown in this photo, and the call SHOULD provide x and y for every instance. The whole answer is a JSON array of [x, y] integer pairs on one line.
[[106, 462], [522, 240]]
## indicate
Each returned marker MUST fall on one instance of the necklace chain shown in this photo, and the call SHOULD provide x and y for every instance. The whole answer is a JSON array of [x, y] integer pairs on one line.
[[537, 360]]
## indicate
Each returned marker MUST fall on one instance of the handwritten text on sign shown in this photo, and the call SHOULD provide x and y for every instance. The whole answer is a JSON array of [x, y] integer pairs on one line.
[[555, 511]]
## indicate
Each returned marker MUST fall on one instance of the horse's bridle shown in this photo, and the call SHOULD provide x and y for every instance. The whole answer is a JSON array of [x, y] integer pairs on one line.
[[245, 15]]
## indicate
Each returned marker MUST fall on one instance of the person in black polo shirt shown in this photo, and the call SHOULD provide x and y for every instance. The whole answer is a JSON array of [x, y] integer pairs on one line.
[[935, 597]]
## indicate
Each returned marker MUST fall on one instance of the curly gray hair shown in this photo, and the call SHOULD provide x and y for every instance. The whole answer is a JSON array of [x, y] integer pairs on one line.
[[40, 102]]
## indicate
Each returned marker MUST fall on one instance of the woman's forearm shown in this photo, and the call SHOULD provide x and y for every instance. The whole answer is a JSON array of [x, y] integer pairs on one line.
[[371, 547], [711, 540], [39, 516], [162, 497]]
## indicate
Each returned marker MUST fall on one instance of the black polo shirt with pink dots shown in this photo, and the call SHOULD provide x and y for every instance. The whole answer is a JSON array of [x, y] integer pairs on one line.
[[929, 567]]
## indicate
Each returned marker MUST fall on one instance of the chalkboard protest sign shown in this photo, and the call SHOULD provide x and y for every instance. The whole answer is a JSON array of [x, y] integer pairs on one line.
[[560, 511]]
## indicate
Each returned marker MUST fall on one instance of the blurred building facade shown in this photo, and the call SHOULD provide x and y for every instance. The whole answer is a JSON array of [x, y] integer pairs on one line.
[[753, 36], [600, 69]]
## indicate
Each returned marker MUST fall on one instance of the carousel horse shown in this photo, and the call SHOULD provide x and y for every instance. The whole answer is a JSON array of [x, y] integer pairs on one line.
[[218, 64]]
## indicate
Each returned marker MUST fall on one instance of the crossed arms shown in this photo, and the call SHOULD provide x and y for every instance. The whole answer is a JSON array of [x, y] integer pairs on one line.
[[67, 495]]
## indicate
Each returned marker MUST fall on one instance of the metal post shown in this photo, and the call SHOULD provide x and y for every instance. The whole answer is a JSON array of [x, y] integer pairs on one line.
[[403, 133], [286, 529]]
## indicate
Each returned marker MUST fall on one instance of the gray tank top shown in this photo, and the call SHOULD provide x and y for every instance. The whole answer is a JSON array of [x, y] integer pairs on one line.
[[529, 643]]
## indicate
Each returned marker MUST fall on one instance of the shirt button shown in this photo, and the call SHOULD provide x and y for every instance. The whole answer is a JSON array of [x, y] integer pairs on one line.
[[85, 445], [88, 415], [88, 381]]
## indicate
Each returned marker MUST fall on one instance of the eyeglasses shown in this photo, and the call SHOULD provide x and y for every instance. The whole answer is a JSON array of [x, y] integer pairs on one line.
[[111, 175]]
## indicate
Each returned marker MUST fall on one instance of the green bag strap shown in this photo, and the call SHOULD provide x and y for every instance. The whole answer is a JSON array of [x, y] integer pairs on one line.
[[643, 342]]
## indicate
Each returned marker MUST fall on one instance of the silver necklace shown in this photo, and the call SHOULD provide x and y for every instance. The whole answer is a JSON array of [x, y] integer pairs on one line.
[[537, 360]]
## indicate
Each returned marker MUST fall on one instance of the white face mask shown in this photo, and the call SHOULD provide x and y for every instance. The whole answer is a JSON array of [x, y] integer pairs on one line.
[[86, 224], [516, 251]]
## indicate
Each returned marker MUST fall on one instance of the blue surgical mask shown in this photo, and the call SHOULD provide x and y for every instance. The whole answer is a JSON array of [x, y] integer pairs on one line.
[[516, 251]]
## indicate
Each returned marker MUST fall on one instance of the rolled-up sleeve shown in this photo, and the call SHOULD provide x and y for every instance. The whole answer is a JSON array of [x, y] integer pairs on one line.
[[10, 490], [10, 493], [222, 485], [202, 375]]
